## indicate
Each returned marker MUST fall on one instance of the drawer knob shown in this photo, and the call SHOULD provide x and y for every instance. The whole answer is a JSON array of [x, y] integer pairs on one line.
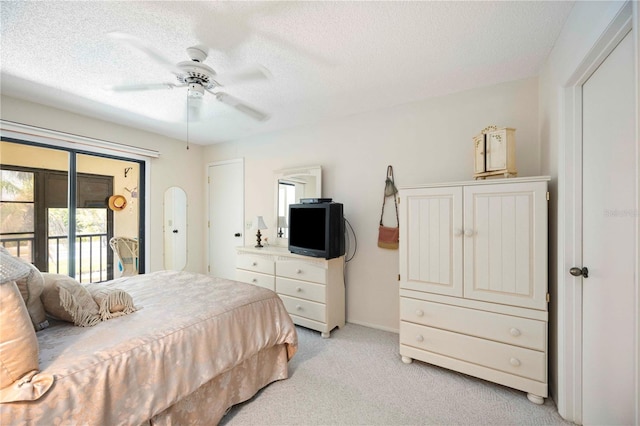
[[514, 332], [254, 264], [298, 308], [298, 289], [298, 271], [419, 338], [255, 280], [419, 313], [515, 362]]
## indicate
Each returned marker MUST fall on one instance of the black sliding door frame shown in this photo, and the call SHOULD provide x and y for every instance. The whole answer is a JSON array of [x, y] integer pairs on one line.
[[73, 190]]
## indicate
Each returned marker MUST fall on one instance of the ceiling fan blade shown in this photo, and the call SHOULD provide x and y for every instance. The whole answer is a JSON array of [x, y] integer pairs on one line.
[[257, 72], [140, 87], [241, 106], [147, 49]]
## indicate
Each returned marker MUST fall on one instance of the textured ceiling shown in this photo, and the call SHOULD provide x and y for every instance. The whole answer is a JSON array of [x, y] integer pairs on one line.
[[326, 59]]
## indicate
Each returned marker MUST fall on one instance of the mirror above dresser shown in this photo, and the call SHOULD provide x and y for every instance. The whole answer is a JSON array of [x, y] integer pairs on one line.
[[290, 186]]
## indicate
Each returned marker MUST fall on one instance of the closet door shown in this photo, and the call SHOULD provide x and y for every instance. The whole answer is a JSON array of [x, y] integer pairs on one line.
[[431, 239], [505, 241], [609, 238]]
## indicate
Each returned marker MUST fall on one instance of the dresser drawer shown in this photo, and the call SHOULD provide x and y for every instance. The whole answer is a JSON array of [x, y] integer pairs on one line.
[[498, 356], [305, 308], [256, 263], [518, 331], [300, 270], [262, 280], [301, 289]]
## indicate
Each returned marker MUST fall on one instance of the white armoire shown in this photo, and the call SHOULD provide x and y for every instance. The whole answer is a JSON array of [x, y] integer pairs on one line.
[[473, 279]]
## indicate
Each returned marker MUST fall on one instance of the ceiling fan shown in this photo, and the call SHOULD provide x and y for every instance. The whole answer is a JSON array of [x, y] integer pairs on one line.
[[196, 76]]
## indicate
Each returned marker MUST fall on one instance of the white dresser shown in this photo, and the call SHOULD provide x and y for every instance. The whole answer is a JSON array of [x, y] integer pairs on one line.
[[473, 279], [311, 288]]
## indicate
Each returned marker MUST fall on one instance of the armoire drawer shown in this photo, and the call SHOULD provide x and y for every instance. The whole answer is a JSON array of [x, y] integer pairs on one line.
[[305, 308], [498, 356], [262, 280], [300, 270], [528, 333], [301, 289], [254, 263]]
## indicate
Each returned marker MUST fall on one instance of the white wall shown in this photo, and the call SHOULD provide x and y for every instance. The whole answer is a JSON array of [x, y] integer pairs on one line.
[[175, 167], [428, 141], [582, 30]]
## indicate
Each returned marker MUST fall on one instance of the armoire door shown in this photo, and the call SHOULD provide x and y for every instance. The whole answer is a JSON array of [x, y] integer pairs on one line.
[[431, 228], [505, 244], [609, 214]]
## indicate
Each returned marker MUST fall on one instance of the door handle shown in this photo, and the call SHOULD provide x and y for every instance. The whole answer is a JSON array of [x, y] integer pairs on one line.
[[576, 272], [237, 234]]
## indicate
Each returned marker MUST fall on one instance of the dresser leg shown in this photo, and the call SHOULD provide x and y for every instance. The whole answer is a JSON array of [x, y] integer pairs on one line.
[[535, 399], [406, 359], [325, 334]]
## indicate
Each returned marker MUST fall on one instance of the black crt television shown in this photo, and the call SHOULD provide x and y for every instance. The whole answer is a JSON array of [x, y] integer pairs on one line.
[[317, 229]]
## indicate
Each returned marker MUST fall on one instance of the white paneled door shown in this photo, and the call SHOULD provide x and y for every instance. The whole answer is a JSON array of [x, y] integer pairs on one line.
[[609, 235], [226, 216]]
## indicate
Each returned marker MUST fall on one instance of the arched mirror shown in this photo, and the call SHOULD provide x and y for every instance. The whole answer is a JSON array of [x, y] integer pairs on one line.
[[175, 229], [290, 186]]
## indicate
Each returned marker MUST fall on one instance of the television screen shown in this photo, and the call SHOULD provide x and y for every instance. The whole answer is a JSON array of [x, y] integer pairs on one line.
[[317, 229], [310, 226]]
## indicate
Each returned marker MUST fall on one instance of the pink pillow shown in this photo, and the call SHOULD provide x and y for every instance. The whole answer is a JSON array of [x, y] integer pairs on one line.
[[19, 377]]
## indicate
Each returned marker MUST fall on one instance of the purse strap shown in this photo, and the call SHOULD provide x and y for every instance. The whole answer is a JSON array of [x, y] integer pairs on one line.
[[390, 180]]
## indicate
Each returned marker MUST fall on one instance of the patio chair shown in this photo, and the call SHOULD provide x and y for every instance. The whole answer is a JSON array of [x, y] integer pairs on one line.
[[126, 249]]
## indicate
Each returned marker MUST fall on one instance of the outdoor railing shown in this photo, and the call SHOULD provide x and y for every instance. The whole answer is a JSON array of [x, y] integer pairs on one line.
[[91, 255]]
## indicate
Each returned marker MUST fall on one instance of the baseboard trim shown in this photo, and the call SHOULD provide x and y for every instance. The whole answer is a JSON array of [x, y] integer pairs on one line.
[[375, 326]]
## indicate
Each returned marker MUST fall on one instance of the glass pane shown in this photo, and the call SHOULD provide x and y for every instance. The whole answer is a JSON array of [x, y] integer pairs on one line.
[[16, 186], [58, 222], [92, 245], [19, 245], [91, 221], [35, 157], [58, 241], [17, 220], [97, 221], [16, 217], [38, 164]]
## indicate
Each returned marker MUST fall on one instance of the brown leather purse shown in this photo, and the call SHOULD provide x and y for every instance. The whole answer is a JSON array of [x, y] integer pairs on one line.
[[389, 237]]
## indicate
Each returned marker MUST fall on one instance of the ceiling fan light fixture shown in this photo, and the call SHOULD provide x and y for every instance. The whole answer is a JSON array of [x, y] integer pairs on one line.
[[195, 90]]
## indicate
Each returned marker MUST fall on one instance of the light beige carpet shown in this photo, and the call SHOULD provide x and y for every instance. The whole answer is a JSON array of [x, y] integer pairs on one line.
[[356, 377]]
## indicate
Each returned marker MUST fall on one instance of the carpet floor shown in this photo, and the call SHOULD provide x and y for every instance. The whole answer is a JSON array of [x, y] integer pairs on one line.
[[356, 377]]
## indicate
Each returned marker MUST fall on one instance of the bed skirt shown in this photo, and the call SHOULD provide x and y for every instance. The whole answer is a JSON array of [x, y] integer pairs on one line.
[[208, 404]]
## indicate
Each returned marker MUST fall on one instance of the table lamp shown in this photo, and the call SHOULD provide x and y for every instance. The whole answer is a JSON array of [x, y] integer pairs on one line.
[[259, 224]]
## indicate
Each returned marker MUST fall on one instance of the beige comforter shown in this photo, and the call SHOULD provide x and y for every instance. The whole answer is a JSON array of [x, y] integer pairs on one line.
[[189, 328]]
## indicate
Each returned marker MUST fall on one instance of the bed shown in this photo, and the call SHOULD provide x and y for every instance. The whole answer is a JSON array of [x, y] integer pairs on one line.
[[195, 346]]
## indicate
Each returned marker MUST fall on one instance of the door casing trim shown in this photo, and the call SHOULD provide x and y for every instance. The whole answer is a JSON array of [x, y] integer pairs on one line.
[[569, 289]]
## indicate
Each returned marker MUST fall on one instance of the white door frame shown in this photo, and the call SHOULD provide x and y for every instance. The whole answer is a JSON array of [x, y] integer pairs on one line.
[[569, 289], [208, 201]]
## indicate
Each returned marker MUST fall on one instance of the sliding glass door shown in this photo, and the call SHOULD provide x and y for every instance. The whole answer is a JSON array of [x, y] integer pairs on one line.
[[38, 218]]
